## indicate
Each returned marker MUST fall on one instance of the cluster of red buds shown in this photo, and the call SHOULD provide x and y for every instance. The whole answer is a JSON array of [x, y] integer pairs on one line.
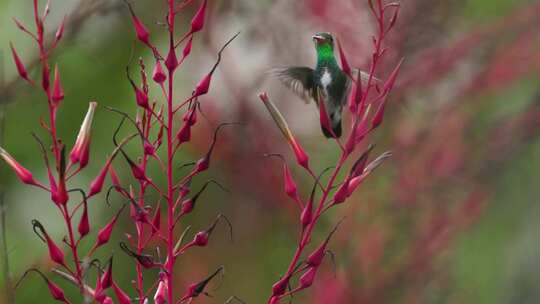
[[366, 105], [167, 126]]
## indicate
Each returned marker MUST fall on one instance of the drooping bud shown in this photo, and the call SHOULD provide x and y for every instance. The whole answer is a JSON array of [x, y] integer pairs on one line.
[[21, 69], [58, 91], [142, 33], [158, 74], [55, 253], [187, 48], [197, 22], [203, 86], [56, 292], [290, 186], [80, 151], [22, 173]]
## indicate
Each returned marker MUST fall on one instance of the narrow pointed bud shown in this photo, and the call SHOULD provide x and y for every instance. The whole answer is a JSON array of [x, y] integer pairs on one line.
[[121, 296], [21, 69], [141, 98], [316, 257], [106, 278], [290, 186], [115, 179], [187, 48], [58, 91], [104, 233], [171, 62], [342, 193], [22, 173], [156, 221], [307, 278], [80, 151], [56, 292], [45, 78], [307, 214], [142, 33], [280, 286], [195, 289], [274, 300], [97, 184], [389, 84], [158, 74], [197, 22], [84, 223], [379, 115], [344, 62], [301, 156], [55, 253], [203, 86]]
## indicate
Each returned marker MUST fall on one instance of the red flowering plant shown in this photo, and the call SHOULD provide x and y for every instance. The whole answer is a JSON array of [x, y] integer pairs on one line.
[[167, 127], [366, 105]]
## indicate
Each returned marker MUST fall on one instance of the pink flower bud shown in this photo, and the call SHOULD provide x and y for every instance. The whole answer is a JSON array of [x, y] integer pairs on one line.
[[307, 278], [106, 278], [149, 149], [55, 253], [379, 115], [195, 289], [344, 62], [171, 62], [84, 223], [197, 22], [201, 238], [22, 173], [58, 91], [156, 221], [290, 186], [121, 296], [158, 75], [56, 292], [280, 286], [160, 297], [203, 86], [184, 134], [80, 150], [274, 300], [20, 66], [107, 300], [114, 178], [97, 184], [342, 193], [307, 214], [187, 49], [45, 81], [104, 233], [187, 206], [141, 98], [142, 33], [316, 257], [301, 157], [389, 84]]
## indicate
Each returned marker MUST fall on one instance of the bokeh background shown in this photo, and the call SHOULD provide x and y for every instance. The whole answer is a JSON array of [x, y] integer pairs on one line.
[[451, 218]]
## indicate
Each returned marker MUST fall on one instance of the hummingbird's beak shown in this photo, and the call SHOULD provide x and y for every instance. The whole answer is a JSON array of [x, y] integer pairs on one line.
[[318, 38]]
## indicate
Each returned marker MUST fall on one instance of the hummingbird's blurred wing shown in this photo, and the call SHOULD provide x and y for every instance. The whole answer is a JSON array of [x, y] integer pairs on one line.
[[298, 79]]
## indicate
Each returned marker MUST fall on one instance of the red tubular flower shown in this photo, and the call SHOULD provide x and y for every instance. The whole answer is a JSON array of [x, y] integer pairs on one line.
[[106, 278], [323, 117], [58, 91], [22, 173], [21, 69], [80, 151], [290, 186], [160, 297], [197, 22]]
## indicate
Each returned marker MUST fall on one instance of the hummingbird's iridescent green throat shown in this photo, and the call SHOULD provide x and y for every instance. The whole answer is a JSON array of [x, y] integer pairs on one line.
[[324, 45]]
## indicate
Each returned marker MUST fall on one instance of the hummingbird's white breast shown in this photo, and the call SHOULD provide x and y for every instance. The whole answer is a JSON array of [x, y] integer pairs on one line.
[[326, 79]]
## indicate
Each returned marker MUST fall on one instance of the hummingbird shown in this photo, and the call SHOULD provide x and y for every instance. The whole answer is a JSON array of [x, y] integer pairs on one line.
[[327, 82]]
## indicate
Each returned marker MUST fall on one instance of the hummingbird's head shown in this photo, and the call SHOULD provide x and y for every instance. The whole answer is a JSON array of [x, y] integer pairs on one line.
[[323, 39]]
